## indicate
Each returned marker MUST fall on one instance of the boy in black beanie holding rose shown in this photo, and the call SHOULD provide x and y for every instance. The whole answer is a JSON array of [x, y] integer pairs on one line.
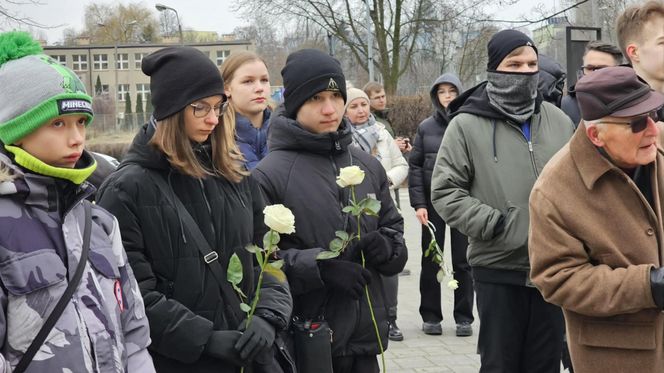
[[501, 136], [309, 143]]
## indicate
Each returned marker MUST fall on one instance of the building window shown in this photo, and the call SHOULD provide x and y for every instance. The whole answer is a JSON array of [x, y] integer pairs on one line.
[[62, 59], [221, 56], [122, 61], [123, 89], [143, 90], [80, 62], [138, 59], [100, 61]]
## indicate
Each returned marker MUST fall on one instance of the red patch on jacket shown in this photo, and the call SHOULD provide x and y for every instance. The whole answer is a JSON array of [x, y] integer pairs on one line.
[[118, 295]]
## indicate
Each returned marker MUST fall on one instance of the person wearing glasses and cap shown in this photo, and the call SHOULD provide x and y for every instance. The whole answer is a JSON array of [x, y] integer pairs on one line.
[[185, 153], [596, 219]]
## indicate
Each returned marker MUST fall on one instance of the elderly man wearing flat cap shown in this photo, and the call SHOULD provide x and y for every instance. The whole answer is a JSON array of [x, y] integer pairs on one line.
[[596, 239]]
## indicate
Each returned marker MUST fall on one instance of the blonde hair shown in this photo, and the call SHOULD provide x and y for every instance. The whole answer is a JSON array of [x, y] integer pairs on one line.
[[372, 87], [630, 23], [227, 71], [171, 139]]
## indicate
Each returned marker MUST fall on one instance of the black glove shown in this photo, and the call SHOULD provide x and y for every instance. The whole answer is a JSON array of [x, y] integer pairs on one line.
[[256, 338], [657, 286], [377, 248], [221, 346], [345, 276]]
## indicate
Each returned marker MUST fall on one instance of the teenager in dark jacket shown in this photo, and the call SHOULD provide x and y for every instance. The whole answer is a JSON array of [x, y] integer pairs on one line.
[[309, 143], [422, 159], [194, 322], [247, 86]]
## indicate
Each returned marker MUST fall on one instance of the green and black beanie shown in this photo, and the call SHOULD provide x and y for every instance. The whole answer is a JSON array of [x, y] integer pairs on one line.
[[34, 88]]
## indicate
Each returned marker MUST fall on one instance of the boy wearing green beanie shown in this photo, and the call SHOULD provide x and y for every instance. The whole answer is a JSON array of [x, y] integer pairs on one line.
[[63, 270]]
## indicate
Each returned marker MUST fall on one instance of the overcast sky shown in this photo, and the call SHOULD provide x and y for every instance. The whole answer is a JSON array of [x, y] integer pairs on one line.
[[201, 15]]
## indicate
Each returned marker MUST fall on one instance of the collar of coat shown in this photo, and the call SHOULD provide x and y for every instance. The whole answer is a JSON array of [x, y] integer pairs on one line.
[[590, 163]]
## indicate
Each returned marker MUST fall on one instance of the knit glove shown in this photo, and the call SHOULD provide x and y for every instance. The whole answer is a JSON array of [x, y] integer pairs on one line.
[[377, 248], [347, 277], [256, 338], [221, 344]]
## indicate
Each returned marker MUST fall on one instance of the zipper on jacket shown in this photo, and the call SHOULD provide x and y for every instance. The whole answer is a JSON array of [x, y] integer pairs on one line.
[[530, 147], [532, 157], [209, 208]]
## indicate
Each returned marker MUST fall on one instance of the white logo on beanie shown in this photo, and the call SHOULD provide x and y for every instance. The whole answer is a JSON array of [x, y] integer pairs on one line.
[[332, 85], [74, 106]]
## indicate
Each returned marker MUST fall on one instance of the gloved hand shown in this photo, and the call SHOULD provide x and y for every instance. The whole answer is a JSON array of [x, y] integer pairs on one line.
[[377, 248], [256, 338], [345, 276], [657, 286], [221, 346]]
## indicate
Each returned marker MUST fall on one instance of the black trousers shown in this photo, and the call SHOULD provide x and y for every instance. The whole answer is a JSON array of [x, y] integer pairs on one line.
[[430, 302], [391, 287], [519, 331], [355, 364]]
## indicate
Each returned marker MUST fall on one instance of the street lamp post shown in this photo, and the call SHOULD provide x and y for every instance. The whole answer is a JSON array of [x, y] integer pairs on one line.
[[115, 58], [369, 43], [161, 8]]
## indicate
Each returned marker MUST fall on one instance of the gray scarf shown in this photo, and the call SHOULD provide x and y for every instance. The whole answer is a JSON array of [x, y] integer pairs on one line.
[[365, 135], [513, 94]]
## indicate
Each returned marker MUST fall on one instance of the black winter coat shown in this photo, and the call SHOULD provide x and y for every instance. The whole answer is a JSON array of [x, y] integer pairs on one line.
[[427, 141], [183, 301], [300, 172]]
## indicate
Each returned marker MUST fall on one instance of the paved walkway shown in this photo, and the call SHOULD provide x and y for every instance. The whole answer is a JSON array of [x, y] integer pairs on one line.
[[419, 352]]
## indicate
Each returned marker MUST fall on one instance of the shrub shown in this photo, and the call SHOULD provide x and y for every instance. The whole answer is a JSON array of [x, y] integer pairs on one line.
[[406, 113]]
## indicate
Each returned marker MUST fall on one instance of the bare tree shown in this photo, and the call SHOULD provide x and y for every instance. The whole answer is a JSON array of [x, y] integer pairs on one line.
[[118, 23]]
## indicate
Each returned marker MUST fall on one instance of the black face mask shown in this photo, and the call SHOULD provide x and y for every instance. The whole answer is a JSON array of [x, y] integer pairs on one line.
[[513, 94]]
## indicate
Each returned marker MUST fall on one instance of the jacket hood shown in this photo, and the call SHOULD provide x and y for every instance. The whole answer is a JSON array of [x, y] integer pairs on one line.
[[551, 79], [144, 154], [476, 101], [288, 134], [440, 113]]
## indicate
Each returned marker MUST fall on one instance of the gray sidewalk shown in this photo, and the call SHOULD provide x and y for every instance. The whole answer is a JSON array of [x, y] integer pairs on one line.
[[419, 352]]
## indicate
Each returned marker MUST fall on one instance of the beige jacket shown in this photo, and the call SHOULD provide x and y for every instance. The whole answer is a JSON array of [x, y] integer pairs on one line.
[[593, 239]]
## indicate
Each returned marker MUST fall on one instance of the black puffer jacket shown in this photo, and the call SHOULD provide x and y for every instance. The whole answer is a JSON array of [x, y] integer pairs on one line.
[[183, 301], [425, 147], [300, 172]]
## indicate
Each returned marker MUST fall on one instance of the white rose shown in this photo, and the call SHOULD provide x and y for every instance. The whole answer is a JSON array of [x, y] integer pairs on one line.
[[453, 284], [351, 175], [279, 218]]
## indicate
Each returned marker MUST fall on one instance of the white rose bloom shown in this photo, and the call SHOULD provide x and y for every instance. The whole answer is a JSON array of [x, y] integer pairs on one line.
[[279, 218], [351, 175]]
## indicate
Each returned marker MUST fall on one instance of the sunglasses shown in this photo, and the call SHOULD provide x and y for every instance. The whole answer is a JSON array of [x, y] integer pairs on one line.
[[640, 123]]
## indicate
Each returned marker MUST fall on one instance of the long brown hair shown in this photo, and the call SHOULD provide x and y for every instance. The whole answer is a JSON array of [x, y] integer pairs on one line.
[[227, 71], [171, 139]]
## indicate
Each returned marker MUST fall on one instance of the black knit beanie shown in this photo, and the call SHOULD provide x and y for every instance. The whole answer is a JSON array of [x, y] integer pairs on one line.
[[178, 77], [503, 43], [307, 72]]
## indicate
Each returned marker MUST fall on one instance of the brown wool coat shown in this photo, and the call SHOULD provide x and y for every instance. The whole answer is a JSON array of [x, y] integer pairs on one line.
[[593, 238]]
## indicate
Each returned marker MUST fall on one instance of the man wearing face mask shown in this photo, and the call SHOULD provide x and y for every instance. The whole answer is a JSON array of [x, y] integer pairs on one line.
[[500, 137]]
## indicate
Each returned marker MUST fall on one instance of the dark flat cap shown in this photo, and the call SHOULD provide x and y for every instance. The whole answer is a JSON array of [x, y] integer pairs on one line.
[[615, 91]]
